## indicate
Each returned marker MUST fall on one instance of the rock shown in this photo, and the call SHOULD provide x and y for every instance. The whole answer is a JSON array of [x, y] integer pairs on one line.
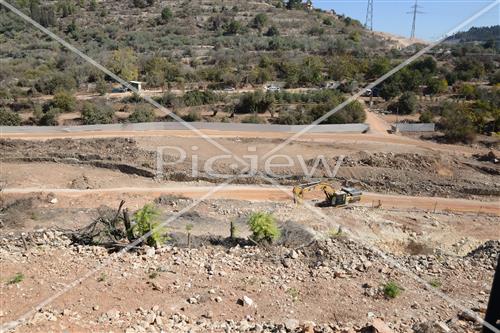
[[380, 327], [291, 324], [113, 314], [150, 252], [95, 307], [441, 327], [53, 201], [293, 254], [192, 300], [466, 315], [218, 299], [208, 315], [150, 318], [246, 301], [286, 262]]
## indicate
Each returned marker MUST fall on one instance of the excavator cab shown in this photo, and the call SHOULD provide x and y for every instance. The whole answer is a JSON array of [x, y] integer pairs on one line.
[[340, 199]]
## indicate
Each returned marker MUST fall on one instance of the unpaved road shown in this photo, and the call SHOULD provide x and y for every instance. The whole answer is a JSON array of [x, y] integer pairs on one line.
[[308, 137], [248, 192]]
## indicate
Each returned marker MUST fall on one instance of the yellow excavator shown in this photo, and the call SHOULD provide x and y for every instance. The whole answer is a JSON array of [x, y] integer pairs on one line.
[[340, 198]]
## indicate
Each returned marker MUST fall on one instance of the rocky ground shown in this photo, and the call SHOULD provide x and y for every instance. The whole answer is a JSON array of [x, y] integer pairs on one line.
[[314, 280], [331, 285]]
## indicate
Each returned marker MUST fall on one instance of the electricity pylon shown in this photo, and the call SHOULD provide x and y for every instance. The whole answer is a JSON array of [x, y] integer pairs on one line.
[[369, 16], [414, 11]]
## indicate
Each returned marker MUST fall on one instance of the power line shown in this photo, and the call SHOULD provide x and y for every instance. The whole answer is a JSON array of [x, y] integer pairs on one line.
[[369, 15], [414, 11]]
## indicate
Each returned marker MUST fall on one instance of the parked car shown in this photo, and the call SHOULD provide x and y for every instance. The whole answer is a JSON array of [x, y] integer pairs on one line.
[[272, 88], [229, 89]]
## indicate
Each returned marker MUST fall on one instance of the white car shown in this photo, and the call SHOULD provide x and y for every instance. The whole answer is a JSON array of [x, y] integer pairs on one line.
[[273, 88]]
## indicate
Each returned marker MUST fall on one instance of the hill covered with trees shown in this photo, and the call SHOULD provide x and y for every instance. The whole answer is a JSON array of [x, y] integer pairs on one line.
[[200, 48]]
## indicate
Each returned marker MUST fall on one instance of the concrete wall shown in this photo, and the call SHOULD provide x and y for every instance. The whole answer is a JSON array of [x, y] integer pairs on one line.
[[343, 128], [407, 127]]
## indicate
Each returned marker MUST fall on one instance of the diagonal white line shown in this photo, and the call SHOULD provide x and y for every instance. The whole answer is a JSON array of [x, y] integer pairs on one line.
[[388, 259], [381, 79], [13, 324], [119, 80]]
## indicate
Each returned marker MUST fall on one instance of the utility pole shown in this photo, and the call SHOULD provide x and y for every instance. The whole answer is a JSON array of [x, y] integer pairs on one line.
[[369, 16], [414, 11]]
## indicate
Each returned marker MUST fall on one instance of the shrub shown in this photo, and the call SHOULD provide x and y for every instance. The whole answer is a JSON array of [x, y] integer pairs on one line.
[[392, 290], [264, 227], [426, 117], [49, 117], [97, 114], [272, 31], [259, 21], [142, 3], [233, 28], [435, 283], [64, 100], [9, 118], [19, 277], [142, 114], [166, 15], [256, 102], [192, 116], [101, 87], [146, 222], [198, 97], [253, 119]]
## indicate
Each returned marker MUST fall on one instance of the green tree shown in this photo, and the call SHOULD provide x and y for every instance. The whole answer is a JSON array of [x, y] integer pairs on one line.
[[378, 67], [457, 124], [389, 90], [311, 70], [264, 227], [64, 100], [9, 118], [437, 86], [123, 63], [294, 4], [406, 104], [467, 91], [97, 114]]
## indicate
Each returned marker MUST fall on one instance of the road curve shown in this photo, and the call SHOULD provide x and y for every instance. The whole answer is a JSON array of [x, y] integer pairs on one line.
[[259, 193]]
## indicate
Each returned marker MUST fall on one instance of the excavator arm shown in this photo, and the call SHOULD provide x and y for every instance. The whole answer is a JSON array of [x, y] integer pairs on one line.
[[299, 190]]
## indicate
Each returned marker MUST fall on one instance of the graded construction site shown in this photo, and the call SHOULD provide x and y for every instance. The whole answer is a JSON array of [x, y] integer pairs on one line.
[[428, 211]]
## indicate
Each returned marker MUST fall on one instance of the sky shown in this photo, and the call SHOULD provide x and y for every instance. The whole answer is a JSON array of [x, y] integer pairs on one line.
[[440, 16]]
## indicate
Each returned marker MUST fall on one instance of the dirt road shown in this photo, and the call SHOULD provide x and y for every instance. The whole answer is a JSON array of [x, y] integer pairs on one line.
[[308, 137], [142, 195]]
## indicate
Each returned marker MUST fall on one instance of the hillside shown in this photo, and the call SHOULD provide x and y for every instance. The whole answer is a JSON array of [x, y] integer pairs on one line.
[[212, 60], [477, 34]]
